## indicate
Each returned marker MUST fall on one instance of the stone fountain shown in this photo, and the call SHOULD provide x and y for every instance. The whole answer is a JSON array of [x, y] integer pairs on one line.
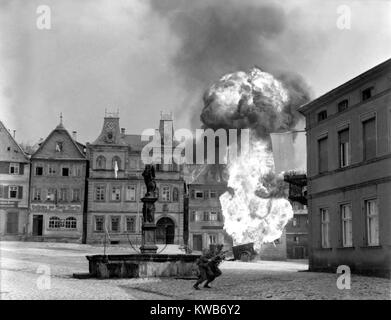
[[148, 263]]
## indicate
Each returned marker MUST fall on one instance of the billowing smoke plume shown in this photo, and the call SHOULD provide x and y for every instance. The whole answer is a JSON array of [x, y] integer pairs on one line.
[[221, 36], [256, 209], [254, 100], [218, 38]]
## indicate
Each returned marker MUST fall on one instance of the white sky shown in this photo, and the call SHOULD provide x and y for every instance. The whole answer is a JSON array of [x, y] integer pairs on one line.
[[121, 54]]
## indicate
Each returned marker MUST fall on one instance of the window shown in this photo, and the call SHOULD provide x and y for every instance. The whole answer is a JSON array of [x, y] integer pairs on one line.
[[198, 216], [343, 138], [38, 170], [130, 224], [199, 195], [54, 223], [212, 239], [65, 172], [130, 193], [76, 195], [213, 216], [51, 169], [63, 195], [77, 171], [323, 155], [165, 193], [206, 216], [367, 93], [51, 195], [175, 194], [37, 194], [296, 239], [372, 215], [118, 161], [369, 139], [322, 115], [100, 193], [115, 224], [14, 168], [116, 193], [99, 223], [343, 105], [13, 192], [133, 163], [212, 194], [294, 222], [70, 223], [325, 223], [59, 146], [101, 162], [347, 232]]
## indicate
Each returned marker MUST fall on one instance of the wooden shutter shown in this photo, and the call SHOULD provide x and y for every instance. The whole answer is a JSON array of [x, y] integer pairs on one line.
[[1, 191], [206, 194], [6, 192], [219, 216], [322, 155], [21, 168], [4, 167], [20, 192], [369, 132]]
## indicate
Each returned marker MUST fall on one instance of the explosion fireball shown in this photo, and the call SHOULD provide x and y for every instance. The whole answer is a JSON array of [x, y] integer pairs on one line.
[[256, 209]]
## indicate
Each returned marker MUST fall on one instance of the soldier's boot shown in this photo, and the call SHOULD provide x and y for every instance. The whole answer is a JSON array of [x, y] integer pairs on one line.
[[196, 287]]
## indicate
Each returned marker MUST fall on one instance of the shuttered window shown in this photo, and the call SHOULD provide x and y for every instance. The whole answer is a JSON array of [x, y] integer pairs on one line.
[[369, 138], [343, 137], [323, 155]]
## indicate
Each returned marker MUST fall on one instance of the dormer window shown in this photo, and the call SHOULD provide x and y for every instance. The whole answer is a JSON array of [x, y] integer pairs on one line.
[[322, 115], [367, 93], [59, 146], [343, 105], [14, 168]]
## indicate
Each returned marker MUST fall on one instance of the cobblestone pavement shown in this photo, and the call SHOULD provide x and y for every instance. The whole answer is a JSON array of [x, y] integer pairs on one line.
[[21, 262]]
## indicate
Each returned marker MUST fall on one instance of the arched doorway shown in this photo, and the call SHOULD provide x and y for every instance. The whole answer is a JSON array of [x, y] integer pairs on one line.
[[165, 231]]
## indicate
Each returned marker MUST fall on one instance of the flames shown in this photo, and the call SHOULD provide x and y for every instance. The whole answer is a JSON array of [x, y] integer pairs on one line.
[[250, 217], [256, 208]]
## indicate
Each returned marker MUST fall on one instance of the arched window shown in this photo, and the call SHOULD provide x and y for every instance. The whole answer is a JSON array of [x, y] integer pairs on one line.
[[118, 160], [54, 222], [70, 223], [175, 194], [101, 162]]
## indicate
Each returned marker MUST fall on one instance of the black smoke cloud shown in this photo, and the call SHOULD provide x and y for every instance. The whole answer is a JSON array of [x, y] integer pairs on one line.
[[255, 109], [222, 36]]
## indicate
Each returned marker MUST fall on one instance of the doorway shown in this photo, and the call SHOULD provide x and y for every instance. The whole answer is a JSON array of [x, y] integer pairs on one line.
[[197, 242], [37, 224], [298, 253], [165, 231], [12, 222]]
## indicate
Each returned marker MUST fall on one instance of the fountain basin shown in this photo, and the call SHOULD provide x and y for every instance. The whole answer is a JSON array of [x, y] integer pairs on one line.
[[143, 265]]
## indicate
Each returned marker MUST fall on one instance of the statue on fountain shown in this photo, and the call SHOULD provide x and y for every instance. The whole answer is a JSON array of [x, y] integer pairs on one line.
[[149, 180], [150, 183]]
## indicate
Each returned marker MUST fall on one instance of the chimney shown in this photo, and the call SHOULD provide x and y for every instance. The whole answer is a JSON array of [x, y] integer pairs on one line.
[[14, 133], [123, 130], [74, 135]]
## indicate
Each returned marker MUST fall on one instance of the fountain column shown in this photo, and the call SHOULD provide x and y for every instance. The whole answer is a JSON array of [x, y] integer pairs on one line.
[[148, 240]]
